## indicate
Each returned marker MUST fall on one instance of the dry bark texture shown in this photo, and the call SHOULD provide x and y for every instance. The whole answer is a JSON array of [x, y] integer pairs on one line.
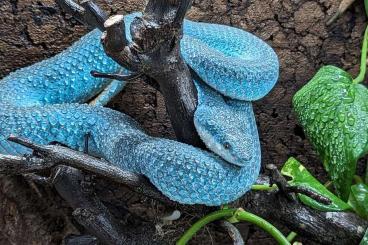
[[32, 30]]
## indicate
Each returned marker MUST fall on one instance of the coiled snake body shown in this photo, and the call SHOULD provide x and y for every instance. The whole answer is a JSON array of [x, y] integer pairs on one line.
[[43, 103]]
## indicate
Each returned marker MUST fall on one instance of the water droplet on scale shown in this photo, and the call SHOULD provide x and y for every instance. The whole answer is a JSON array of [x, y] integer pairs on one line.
[[91, 120], [351, 120]]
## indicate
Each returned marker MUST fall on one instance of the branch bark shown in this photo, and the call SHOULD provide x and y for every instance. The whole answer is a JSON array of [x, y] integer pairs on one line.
[[322, 227], [233, 232], [89, 211], [72, 185], [46, 157], [155, 52]]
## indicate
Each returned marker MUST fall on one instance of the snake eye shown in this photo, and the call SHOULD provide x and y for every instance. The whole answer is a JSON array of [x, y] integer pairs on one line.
[[227, 145]]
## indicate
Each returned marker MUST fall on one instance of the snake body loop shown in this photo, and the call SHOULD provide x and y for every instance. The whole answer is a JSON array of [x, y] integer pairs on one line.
[[44, 103]]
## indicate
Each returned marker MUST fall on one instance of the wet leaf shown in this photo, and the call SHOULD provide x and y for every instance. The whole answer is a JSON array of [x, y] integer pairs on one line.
[[358, 199], [301, 177], [334, 114], [364, 241]]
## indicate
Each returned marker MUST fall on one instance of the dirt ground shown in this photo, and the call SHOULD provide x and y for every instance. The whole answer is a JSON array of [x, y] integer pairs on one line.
[[32, 30]]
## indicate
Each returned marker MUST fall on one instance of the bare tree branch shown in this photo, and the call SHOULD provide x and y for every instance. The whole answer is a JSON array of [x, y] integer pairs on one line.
[[88, 13], [89, 211], [14, 164], [155, 52], [290, 191], [233, 232], [115, 39], [94, 16], [60, 155], [322, 227]]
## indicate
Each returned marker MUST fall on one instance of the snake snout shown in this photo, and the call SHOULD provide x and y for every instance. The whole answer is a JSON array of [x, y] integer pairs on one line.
[[243, 153], [237, 147]]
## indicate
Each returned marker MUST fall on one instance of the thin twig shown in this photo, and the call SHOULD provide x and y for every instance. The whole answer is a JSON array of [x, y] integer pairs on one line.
[[289, 191], [62, 155], [119, 77], [277, 178], [233, 232], [87, 12], [97, 223], [308, 192]]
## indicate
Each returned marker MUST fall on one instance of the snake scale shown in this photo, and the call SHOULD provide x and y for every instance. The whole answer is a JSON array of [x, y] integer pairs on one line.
[[45, 103]]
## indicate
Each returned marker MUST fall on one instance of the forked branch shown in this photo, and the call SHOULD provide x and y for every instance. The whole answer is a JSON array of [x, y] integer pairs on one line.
[[154, 52], [45, 157]]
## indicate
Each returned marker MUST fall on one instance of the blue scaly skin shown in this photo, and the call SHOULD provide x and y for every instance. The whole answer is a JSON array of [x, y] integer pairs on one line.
[[38, 102], [225, 126], [235, 63]]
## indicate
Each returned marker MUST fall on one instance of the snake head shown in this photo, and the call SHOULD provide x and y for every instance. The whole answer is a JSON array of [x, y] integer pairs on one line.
[[237, 150], [228, 132]]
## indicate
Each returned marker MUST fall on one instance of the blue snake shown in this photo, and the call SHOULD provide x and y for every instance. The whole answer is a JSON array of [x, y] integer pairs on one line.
[[45, 102]]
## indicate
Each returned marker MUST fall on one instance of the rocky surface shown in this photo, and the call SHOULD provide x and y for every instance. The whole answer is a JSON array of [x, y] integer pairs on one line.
[[32, 30]]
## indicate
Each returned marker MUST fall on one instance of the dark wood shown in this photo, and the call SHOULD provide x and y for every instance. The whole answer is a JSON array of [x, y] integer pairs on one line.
[[290, 191], [60, 155], [154, 52], [233, 232], [89, 211], [322, 227]]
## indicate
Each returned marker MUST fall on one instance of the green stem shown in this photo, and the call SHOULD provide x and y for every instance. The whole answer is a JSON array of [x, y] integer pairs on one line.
[[366, 7], [264, 187], [291, 236], [363, 62], [224, 213], [263, 224], [328, 184], [233, 214]]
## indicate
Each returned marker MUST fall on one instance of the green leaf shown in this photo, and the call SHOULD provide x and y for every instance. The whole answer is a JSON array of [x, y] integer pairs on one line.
[[301, 177], [334, 114], [358, 199], [364, 241]]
